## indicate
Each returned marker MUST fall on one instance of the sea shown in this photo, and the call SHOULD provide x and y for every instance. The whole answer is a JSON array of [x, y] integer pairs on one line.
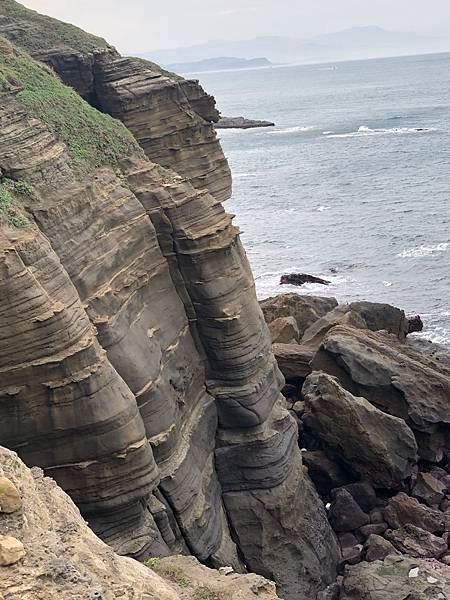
[[351, 185]]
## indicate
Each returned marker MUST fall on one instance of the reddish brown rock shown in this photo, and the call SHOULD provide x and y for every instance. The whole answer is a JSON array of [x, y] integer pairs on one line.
[[428, 489], [416, 542], [345, 515], [403, 510]]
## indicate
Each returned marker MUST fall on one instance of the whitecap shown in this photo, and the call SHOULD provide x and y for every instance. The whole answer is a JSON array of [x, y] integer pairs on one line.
[[297, 129], [365, 131], [387, 283], [420, 251], [322, 208], [327, 132], [241, 175]]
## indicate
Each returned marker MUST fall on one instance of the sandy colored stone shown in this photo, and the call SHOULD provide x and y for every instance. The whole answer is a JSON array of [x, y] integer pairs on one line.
[[10, 499], [11, 550]]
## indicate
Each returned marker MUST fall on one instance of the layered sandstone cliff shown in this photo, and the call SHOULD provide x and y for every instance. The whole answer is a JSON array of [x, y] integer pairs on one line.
[[136, 367]]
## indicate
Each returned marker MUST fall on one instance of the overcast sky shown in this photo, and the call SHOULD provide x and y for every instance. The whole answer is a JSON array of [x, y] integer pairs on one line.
[[141, 25]]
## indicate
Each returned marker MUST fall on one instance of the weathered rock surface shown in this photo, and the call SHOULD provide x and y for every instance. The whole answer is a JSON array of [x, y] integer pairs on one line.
[[393, 377], [64, 559], [292, 361], [11, 550], [284, 330], [306, 310], [377, 548], [396, 578], [10, 499], [137, 339], [241, 123], [429, 490], [377, 446], [403, 510], [417, 542]]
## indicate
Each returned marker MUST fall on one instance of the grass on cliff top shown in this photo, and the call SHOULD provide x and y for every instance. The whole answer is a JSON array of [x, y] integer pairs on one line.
[[93, 139], [37, 33], [11, 211]]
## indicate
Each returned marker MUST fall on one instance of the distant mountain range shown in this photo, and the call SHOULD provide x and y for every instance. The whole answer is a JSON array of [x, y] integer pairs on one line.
[[355, 43], [218, 64]]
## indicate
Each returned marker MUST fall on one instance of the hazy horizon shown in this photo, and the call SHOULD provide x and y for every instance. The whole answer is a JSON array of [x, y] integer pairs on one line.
[[138, 26]]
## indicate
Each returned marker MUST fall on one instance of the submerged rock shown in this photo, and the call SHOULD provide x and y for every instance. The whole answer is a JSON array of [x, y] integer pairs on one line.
[[301, 278], [241, 123]]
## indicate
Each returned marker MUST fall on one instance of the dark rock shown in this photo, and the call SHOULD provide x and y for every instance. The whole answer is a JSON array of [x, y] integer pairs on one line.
[[379, 447], [351, 549], [416, 542], [325, 473], [377, 548], [345, 514], [403, 510], [376, 516], [331, 593], [301, 278], [364, 494], [373, 528], [305, 309], [428, 489], [289, 391], [241, 123], [415, 324]]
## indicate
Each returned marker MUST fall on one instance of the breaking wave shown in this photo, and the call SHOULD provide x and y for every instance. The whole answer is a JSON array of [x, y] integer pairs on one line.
[[364, 131], [420, 251]]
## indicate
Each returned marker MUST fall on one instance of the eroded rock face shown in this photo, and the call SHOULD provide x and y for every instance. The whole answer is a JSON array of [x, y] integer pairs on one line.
[[56, 555], [137, 333], [377, 446], [172, 118]]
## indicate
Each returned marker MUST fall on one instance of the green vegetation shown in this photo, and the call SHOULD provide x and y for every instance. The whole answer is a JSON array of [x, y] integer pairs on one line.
[[152, 563], [93, 139], [175, 574], [40, 32], [11, 211], [203, 592]]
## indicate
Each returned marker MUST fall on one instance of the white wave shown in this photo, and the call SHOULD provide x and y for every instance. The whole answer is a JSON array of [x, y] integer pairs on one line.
[[322, 208], [387, 283], [241, 175], [420, 251], [364, 131], [327, 132], [297, 129]]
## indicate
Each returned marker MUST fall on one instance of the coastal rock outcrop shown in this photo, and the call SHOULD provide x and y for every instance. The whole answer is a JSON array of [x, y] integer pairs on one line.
[[241, 123], [56, 555], [141, 374]]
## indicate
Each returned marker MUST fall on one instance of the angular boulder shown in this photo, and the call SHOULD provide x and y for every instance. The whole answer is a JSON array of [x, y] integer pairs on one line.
[[292, 361], [284, 330], [417, 542], [10, 500], [379, 447], [395, 378], [345, 515], [305, 309], [403, 510], [377, 548], [429, 490]]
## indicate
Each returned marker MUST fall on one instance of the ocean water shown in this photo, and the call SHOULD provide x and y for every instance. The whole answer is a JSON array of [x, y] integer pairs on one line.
[[353, 183]]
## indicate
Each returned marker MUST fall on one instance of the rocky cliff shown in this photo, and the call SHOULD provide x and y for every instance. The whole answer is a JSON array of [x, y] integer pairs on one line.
[[136, 366]]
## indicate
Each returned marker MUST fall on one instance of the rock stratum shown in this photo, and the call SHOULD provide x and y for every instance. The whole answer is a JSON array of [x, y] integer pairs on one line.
[[136, 366], [195, 429]]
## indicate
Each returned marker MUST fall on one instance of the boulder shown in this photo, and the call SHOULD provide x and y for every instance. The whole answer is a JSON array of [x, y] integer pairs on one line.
[[377, 548], [305, 309], [10, 500], [428, 489], [325, 473], [292, 361], [284, 330], [415, 324], [403, 510], [345, 514], [416, 542], [379, 447], [241, 123], [372, 529], [396, 578], [301, 278], [395, 378], [364, 494], [11, 550], [351, 549]]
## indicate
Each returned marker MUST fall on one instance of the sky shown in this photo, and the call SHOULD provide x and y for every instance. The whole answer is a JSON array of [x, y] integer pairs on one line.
[[143, 25]]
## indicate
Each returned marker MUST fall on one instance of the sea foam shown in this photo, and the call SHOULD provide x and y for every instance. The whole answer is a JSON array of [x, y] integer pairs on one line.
[[420, 251], [365, 131]]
